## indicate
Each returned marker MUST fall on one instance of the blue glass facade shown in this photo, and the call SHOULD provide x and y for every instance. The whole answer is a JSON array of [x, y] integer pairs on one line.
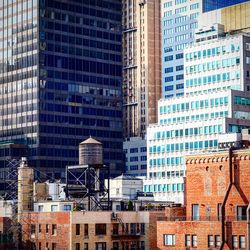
[[209, 5], [61, 79]]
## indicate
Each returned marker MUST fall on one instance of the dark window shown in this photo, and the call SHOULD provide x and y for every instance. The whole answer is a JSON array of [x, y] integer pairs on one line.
[[54, 227], [169, 70], [100, 229], [100, 246], [78, 246], [179, 56], [116, 228], [33, 228], [47, 228], [77, 229], [86, 229], [241, 212], [53, 246], [115, 245], [86, 246]]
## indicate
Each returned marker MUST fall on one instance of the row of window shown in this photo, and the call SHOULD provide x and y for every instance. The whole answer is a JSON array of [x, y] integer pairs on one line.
[[136, 167], [101, 228], [193, 118], [182, 18], [171, 69], [213, 65], [136, 150], [238, 100], [212, 102], [167, 161], [116, 245], [168, 174], [179, 147], [205, 130], [176, 187], [212, 241], [233, 75], [81, 20], [231, 48], [136, 158]]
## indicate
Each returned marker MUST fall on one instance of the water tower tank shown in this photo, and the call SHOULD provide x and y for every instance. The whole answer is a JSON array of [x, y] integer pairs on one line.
[[90, 152]]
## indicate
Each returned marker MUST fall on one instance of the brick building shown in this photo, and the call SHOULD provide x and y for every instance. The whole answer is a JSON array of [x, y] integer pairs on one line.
[[216, 204], [90, 230], [6, 239]]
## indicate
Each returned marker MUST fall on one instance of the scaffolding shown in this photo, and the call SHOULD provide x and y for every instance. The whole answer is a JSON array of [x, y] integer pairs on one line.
[[83, 183]]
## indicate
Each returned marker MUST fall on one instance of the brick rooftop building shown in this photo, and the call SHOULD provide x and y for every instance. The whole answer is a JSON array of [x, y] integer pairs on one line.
[[89, 230], [216, 211]]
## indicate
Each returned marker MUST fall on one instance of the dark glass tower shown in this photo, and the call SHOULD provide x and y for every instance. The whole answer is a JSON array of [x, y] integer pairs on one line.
[[60, 80], [209, 5]]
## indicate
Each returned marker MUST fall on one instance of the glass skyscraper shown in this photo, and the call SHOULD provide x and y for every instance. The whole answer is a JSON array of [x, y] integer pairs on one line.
[[60, 80], [209, 5]]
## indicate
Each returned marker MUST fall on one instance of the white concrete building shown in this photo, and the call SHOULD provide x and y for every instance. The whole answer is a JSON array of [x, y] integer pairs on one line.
[[135, 150], [125, 187], [215, 101], [53, 206]]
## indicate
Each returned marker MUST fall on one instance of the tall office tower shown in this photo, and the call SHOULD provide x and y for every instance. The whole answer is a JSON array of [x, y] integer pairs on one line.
[[61, 80], [179, 20], [141, 65], [209, 5], [216, 100]]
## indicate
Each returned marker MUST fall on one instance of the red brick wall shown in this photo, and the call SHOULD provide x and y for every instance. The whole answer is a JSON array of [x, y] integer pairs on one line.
[[213, 175], [62, 237], [206, 184], [152, 236]]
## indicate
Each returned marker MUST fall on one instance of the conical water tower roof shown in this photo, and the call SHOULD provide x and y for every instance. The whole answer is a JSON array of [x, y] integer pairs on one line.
[[90, 140]]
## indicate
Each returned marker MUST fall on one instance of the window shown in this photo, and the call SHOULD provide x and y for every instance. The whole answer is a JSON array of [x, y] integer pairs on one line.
[[235, 241], [39, 228], [142, 245], [217, 240], [195, 212], [66, 207], [187, 240], [78, 246], [242, 241], [100, 229], [77, 229], [219, 211], [86, 246], [54, 208], [53, 246], [241, 212], [142, 228], [169, 239], [247, 60], [100, 246], [115, 245], [86, 229], [210, 241], [40, 208], [47, 228], [169, 58], [194, 240], [54, 227], [33, 229], [169, 70]]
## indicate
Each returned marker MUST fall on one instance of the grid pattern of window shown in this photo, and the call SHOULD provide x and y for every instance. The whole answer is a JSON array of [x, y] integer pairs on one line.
[[73, 67]]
